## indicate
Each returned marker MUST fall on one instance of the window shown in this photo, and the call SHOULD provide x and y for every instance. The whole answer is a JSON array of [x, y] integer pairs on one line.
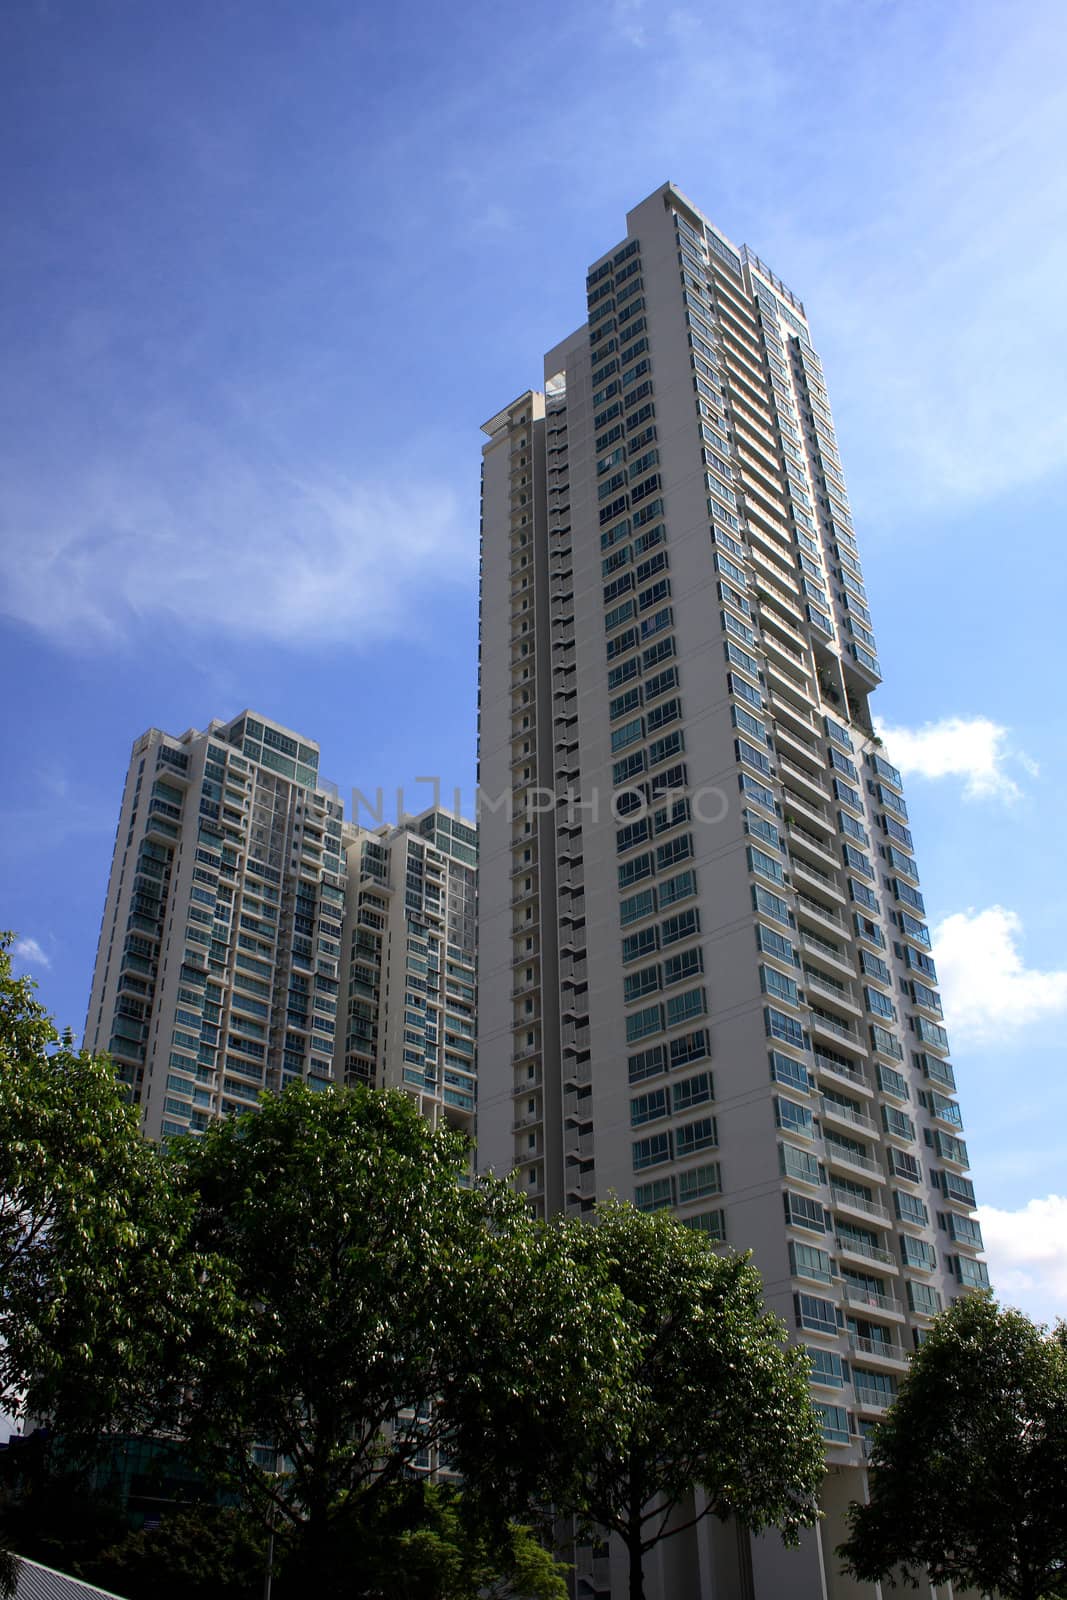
[[923, 1298], [642, 1023], [687, 964], [646, 1063], [654, 1196], [759, 861], [752, 789], [637, 984], [771, 905], [628, 734], [699, 1182], [833, 1420], [633, 871], [792, 1118], [651, 1152], [681, 926], [745, 691], [634, 833], [640, 944], [648, 1107], [794, 1074], [661, 716], [691, 1092], [819, 1316], [801, 1211], [681, 1007], [689, 1047], [661, 682], [694, 1136], [775, 944], [897, 1123], [677, 888], [637, 906], [775, 983], [624, 703], [803, 1167], [879, 1004], [787, 1029], [917, 1253], [827, 1368], [808, 1261]]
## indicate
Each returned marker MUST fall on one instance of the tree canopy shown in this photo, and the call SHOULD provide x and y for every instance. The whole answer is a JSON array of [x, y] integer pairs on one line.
[[318, 1304], [98, 1283], [969, 1466], [714, 1397], [387, 1314]]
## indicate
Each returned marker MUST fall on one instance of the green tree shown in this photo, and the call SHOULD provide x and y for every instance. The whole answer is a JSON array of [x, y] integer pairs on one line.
[[969, 1467], [97, 1282], [9, 1574], [380, 1308], [715, 1398], [196, 1553], [422, 1544]]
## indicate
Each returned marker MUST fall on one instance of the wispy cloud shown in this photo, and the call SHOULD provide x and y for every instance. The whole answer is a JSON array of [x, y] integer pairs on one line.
[[227, 547], [29, 951], [1027, 1251], [988, 991], [975, 749]]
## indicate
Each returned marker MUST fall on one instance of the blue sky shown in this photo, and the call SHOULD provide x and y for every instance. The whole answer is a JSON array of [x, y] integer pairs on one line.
[[268, 267]]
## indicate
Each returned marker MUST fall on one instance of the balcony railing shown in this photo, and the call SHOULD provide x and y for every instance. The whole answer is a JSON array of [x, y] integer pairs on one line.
[[815, 909], [857, 1296], [863, 1248], [878, 1349], [845, 1197]]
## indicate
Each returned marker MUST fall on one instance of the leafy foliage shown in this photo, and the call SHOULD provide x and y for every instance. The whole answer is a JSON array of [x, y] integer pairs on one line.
[[713, 1397], [196, 1553], [97, 1283], [9, 1574], [384, 1308], [969, 1466]]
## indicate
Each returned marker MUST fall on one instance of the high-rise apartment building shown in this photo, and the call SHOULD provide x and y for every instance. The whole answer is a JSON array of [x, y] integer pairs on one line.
[[705, 970], [219, 963], [250, 938], [409, 943]]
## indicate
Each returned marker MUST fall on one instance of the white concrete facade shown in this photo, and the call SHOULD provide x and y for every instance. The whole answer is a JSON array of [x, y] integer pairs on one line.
[[410, 948], [705, 980], [217, 971]]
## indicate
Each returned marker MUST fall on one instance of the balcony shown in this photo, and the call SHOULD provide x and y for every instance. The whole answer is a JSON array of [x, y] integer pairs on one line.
[[837, 1155], [834, 954], [872, 1399], [887, 1304], [805, 840], [811, 813], [822, 1022], [832, 1111], [810, 785], [844, 1200], [812, 908], [870, 1252], [847, 1072], [886, 1350]]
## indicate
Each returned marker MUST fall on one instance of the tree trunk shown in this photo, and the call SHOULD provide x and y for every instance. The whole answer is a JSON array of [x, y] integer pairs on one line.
[[633, 1535], [637, 1563]]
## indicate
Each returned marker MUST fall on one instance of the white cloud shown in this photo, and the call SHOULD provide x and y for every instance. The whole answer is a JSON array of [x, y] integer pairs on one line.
[[1027, 1252], [30, 951], [972, 748], [988, 993], [227, 548]]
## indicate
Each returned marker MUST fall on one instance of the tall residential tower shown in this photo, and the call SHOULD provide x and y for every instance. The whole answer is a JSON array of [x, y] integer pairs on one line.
[[705, 971], [250, 938], [218, 967]]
